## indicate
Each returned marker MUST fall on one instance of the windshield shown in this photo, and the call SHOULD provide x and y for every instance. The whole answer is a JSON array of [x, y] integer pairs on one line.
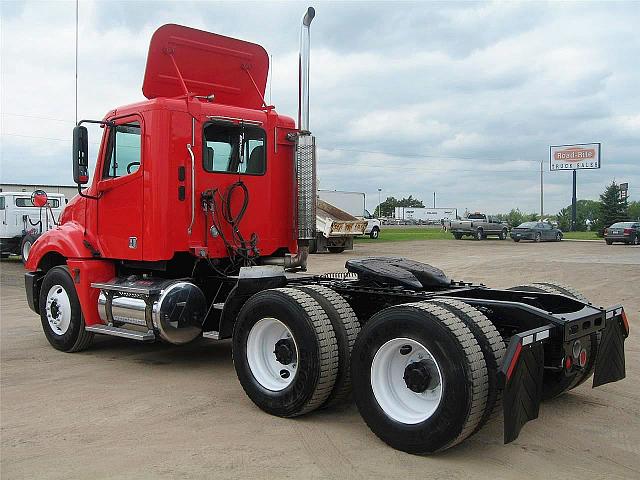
[[527, 225], [622, 225], [476, 216]]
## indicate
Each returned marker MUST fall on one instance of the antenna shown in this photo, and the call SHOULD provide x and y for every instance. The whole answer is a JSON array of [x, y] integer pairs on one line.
[[76, 62]]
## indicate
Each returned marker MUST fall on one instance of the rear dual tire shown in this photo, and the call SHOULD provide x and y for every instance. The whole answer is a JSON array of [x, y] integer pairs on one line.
[[292, 349], [420, 378], [301, 375]]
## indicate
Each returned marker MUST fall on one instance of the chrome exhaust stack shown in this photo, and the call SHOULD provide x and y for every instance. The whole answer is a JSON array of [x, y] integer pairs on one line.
[[305, 154], [303, 70]]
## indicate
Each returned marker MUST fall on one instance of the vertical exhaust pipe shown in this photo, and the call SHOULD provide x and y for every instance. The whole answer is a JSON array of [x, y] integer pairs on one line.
[[305, 161], [303, 70]]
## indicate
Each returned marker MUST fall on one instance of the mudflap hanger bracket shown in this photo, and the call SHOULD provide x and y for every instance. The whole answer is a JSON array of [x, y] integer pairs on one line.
[[523, 367]]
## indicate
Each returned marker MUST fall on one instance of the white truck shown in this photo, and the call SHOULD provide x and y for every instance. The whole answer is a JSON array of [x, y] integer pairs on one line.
[[354, 204], [335, 229], [24, 217], [425, 214]]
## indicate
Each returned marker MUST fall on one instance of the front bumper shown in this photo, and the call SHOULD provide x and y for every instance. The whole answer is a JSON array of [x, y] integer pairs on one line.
[[523, 367]]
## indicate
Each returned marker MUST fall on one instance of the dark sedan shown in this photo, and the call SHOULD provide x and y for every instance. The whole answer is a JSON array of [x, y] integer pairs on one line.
[[536, 231], [625, 232]]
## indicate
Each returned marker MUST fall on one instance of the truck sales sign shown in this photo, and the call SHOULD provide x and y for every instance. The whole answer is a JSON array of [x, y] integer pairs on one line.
[[574, 157]]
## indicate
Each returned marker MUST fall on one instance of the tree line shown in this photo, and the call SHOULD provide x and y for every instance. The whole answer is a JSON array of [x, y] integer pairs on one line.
[[593, 214]]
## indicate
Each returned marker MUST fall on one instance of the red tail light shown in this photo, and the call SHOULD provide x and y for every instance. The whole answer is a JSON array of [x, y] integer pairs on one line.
[[628, 231]]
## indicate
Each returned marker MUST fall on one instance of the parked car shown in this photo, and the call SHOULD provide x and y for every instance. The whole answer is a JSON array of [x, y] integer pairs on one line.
[[625, 232], [536, 231]]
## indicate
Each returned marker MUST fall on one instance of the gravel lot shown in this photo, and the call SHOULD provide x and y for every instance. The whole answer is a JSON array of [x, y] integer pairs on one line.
[[128, 410]]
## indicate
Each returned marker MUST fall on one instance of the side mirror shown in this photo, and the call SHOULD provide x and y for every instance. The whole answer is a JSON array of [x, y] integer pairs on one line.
[[80, 155]]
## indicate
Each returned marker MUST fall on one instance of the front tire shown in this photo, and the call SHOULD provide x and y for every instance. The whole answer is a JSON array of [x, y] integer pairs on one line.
[[457, 236], [285, 352], [419, 378], [375, 233], [558, 237], [538, 237], [503, 235], [479, 234], [60, 312], [336, 249], [609, 242], [25, 246]]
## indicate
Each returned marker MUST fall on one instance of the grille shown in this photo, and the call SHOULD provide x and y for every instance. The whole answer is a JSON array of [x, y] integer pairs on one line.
[[306, 183]]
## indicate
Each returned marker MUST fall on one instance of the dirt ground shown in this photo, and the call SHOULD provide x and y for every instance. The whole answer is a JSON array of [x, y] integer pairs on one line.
[[128, 410]]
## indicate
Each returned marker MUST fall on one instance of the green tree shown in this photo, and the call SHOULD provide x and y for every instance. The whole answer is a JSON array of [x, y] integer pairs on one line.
[[612, 208], [387, 208], [585, 210], [633, 211]]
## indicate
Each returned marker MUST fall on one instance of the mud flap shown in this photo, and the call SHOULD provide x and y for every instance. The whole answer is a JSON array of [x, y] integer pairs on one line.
[[522, 372], [610, 365]]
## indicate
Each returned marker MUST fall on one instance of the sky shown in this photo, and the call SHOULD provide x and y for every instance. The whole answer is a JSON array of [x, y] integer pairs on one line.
[[458, 98]]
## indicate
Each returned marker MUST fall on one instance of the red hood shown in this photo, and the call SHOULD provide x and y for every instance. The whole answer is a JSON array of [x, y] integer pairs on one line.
[[208, 63]]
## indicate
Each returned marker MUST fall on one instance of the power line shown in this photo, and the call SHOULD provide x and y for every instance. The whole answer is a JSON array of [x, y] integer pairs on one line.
[[37, 117]]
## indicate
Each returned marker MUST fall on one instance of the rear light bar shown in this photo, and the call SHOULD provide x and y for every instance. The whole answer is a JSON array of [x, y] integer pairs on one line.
[[518, 341]]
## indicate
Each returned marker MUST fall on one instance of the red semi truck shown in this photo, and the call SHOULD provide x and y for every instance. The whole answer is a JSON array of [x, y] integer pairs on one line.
[[197, 223]]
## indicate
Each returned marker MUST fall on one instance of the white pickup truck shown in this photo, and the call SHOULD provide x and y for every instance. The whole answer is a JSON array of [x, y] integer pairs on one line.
[[22, 220]]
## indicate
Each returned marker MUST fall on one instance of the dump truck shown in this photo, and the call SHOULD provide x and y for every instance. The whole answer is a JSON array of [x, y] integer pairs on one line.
[[197, 223], [335, 229]]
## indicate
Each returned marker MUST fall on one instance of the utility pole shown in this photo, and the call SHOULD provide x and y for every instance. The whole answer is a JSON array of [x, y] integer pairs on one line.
[[434, 199], [541, 190], [379, 203], [574, 202]]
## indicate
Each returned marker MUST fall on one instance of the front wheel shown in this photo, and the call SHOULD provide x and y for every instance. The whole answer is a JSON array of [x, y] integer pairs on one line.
[[335, 249], [503, 235], [25, 246], [516, 240], [479, 234], [635, 240], [375, 233], [457, 236], [60, 312], [609, 242], [537, 238], [558, 237]]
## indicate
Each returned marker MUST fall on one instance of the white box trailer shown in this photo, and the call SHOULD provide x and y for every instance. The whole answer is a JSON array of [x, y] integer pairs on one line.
[[424, 214], [22, 222], [354, 203]]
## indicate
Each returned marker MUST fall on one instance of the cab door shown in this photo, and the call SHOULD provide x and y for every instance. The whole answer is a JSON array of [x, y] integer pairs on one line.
[[120, 206]]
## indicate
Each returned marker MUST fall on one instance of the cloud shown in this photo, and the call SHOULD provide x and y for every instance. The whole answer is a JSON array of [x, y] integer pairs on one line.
[[461, 98]]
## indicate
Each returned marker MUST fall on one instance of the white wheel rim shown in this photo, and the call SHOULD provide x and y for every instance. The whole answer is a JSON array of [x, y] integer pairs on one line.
[[265, 367], [390, 388], [58, 308], [26, 248]]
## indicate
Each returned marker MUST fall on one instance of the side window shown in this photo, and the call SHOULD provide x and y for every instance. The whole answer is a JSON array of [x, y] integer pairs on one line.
[[234, 149], [2, 204], [124, 151], [26, 202]]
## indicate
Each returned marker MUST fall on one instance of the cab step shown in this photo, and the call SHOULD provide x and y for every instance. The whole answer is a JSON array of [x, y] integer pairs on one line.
[[121, 332]]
